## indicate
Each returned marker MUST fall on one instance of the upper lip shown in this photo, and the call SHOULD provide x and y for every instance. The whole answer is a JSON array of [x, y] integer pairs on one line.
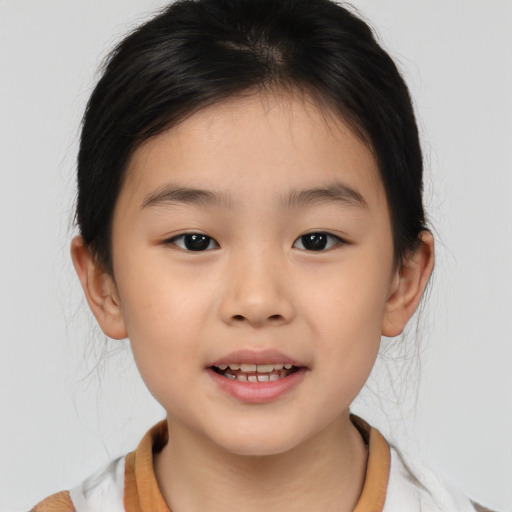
[[248, 356]]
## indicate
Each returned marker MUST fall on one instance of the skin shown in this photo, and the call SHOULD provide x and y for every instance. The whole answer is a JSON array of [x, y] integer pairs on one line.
[[256, 287]]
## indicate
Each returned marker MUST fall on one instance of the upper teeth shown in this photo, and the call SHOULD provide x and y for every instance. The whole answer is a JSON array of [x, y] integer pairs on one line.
[[260, 368]]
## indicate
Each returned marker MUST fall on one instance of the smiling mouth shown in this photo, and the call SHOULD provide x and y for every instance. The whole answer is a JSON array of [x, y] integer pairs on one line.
[[255, 372]]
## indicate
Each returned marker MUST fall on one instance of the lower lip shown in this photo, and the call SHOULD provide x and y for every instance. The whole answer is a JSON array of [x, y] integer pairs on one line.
[[258, 392]]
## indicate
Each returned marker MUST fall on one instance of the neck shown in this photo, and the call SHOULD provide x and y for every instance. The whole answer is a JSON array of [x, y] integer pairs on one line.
[[324, 473]]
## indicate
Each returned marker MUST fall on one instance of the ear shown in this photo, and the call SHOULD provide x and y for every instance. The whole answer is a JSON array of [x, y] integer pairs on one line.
[[100, 291], [408, 285]]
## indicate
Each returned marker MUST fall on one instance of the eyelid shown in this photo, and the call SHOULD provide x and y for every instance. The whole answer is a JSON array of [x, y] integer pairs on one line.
[[338, 241], [335, 241], [173, 241]]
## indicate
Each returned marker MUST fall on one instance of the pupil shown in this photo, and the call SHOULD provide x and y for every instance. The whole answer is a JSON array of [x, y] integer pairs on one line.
[[196, 242], [314, 241]]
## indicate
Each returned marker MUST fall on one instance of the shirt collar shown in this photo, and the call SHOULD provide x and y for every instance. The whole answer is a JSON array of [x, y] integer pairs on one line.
[[142, 494]]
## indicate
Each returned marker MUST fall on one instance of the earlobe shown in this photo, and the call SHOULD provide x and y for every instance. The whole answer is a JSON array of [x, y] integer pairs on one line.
[[100, 291], [408, 286]]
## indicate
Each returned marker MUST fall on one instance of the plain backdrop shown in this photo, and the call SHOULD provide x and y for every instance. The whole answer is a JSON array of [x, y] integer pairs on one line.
[[63, 414]]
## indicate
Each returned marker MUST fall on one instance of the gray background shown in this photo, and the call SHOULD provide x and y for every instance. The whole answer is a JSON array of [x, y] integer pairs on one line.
[[63, 416]]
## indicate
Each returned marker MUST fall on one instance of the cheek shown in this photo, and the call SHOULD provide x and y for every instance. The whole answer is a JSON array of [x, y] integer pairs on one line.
[[160, 298], [352, 301], [164, 320], [164, 339], [348, 315]]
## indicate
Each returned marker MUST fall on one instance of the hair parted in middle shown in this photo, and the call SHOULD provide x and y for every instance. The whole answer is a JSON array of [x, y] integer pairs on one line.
[[198, 52]]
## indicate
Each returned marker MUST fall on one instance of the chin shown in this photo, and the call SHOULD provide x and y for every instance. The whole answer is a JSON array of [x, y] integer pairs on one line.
[[261, 443], [251, 449]]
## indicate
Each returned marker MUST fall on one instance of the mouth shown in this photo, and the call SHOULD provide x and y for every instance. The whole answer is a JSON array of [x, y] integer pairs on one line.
[[254, 373], [256, 377]]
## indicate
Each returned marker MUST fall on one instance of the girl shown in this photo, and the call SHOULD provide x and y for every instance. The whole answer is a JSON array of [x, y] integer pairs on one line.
[[250, 217]]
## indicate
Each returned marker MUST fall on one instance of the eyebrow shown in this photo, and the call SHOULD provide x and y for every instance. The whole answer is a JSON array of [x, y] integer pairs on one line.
[[335, 192], [186, 195]]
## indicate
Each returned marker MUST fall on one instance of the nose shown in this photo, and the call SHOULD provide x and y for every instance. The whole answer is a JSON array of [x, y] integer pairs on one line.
[[256, 291]]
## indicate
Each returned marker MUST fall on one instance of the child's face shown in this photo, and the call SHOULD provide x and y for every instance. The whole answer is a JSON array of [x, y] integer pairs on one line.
[[270, 171]]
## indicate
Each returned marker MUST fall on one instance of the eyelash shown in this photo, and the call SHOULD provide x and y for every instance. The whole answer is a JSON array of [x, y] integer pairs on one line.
[[325, 242], [181, 241], [335, 241]]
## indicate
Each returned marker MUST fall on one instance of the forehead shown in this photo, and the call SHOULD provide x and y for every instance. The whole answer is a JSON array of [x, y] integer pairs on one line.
[[267, 143]]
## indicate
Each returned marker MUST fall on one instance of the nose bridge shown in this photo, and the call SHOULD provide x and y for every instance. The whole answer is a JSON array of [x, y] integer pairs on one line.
[[255, 287]]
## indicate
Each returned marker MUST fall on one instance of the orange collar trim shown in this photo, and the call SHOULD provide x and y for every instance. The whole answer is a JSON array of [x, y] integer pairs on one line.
[[141, 491], [375, 484]]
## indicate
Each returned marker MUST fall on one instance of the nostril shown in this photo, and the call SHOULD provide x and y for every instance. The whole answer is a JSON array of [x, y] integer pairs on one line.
[[240, 318]]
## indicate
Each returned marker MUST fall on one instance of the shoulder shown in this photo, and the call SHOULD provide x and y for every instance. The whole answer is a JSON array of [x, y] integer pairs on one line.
[[128, 480], [103, 490], [413, 486], [59, 502]]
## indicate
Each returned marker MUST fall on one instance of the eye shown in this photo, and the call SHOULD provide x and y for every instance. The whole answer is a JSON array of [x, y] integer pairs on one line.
[[194, 242], [317, 242]]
